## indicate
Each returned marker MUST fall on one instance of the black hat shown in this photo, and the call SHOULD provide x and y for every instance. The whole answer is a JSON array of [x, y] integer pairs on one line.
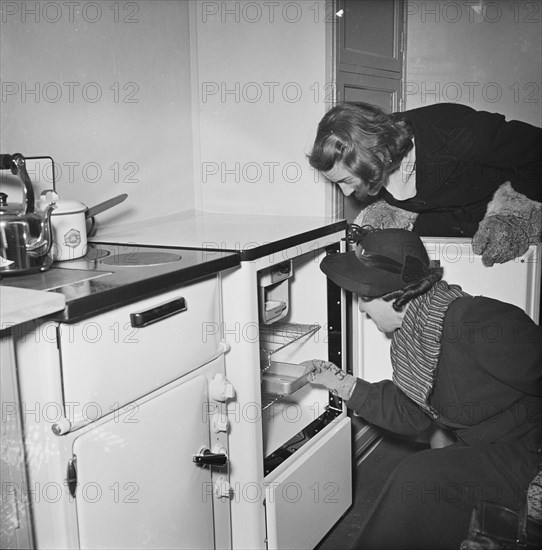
[[383, 261]]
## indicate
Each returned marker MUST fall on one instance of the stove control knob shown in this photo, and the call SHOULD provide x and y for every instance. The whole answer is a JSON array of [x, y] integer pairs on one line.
[[220, 388], [222, 487], [220, 422], [219, 449]]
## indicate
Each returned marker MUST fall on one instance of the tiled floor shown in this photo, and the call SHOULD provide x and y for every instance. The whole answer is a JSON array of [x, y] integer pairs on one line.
[[369, 477]]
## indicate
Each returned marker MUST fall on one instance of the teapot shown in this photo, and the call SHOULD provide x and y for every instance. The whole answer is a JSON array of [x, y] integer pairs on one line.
[[25, 235]]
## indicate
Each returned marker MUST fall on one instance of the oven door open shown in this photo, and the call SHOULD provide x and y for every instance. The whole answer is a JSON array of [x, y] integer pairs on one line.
[[303, 500]]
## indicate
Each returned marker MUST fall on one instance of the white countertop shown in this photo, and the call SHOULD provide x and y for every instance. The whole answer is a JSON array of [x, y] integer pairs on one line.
[[19, 305], [197, 229]]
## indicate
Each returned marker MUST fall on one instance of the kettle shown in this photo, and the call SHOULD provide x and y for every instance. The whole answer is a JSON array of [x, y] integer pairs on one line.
[[25, 235]]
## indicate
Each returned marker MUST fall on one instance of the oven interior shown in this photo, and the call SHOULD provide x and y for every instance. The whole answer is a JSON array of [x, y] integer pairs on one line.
[[300, 320]]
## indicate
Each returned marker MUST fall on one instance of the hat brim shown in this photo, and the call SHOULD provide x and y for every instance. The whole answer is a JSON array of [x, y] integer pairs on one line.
[[349, 272]]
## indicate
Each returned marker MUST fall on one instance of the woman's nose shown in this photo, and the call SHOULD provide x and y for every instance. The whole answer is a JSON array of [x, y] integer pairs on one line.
[[346, 189]]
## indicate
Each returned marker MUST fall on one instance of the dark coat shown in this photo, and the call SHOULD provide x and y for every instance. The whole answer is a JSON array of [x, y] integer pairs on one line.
[[462, 157], [488, 390], [489, 380]]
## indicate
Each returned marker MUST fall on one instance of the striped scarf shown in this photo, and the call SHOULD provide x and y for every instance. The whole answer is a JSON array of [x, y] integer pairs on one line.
[[415, 347]]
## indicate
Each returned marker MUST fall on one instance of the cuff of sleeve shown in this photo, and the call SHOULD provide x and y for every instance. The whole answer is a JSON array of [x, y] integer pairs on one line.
[[359, 395]]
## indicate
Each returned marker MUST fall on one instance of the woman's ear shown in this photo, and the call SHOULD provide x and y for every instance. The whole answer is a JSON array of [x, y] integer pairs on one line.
[[385, 156]]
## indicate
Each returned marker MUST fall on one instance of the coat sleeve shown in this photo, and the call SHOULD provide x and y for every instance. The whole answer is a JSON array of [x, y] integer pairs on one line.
[[385, 405], [510, 146]]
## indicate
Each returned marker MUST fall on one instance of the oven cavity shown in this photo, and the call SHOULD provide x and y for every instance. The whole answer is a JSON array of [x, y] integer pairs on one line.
[[295, 327]]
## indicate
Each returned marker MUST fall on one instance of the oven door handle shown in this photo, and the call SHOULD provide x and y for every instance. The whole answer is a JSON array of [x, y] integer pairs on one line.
[[147, 317]]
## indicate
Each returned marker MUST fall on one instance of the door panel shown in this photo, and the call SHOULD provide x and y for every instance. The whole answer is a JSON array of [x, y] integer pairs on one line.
[[369, 55], [383, 92], [137, 484], [369, 35]]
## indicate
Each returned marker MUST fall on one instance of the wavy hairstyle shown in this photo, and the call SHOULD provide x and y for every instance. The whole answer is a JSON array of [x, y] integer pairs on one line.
[[403, 296], [369, 142]]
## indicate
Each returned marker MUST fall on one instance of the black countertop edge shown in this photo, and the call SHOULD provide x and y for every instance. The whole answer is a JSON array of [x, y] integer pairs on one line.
[[274, 247], [95, 304], [262, 250]]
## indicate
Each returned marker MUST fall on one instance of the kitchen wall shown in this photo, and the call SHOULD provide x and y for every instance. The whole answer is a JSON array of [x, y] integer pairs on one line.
[[104, 88], [214, 104], [262, 88], [482, 53], [182, 105]]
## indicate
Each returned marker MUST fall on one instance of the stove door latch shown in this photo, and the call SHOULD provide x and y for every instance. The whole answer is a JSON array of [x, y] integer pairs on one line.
[[208, 458]]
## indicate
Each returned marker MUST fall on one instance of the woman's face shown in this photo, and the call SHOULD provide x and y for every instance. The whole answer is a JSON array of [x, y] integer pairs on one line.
[[382, 313], [340, 175]]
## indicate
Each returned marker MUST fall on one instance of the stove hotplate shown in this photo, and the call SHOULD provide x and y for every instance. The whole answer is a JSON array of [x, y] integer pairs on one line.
[[111, 275]]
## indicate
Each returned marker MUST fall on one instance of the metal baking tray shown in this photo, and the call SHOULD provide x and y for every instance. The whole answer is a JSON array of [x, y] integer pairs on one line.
[[283, 378]]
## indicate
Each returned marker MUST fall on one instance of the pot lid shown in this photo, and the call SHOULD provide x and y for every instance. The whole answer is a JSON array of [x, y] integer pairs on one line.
[[66, 206], [9, 208]]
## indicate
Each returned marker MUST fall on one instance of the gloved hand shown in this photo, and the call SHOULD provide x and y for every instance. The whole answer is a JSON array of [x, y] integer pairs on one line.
[[381, 215], [324, 373], [512, 222], [501, 238]]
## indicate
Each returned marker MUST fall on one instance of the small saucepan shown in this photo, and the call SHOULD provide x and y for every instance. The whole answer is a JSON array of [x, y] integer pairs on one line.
[[69, 223]]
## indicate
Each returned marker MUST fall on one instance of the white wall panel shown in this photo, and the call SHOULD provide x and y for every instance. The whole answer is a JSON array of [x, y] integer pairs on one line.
[[482, 54], [103, 88], [261, 92]]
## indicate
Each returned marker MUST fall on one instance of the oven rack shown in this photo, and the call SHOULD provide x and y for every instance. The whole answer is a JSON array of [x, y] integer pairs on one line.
[[269, 399], [277, 336]]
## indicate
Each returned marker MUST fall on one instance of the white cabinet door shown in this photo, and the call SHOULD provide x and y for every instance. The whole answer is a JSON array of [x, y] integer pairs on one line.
[[304, 500], [516, 282], [138, 486]]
